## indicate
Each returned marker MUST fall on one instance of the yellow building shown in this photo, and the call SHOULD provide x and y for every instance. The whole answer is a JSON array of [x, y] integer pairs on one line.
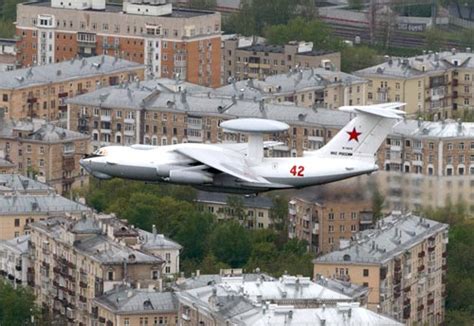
[[402, 262], [434, 85]]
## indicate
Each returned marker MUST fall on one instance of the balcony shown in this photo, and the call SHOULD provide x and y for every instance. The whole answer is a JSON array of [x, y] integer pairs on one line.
[[421, 254], [106, 118], [421, 268], [420, 307]]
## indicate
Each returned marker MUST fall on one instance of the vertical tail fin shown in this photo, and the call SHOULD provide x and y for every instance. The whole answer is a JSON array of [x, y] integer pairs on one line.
[[364, 134]]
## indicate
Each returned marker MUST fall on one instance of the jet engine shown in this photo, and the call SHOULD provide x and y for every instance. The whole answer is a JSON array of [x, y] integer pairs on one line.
[[189, 177]]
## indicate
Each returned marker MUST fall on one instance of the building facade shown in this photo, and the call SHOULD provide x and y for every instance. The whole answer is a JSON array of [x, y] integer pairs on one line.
[[243, 58], [140, 113], [253, 212], [126, 306], [328, 218], [402, 262], [434, 85], [75, 261], [46, 152], [40, 91], [15, 263], [168, 41]]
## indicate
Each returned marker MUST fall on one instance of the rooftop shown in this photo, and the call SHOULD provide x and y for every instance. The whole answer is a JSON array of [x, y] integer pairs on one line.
[[430, 63], [133, 98], [221, 198], [65, 70], [199, 281], [343, 314], [6, 164], [38, 130], [21, 184], [296, 80], [38, 204], [125, 300], [439, 129], [92, 242], [393, 236], [118, 8], [352, 290], [154, 241], [19, 244], [280, 49]]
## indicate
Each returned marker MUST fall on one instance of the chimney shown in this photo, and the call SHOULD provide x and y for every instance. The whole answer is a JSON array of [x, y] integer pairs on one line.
[[153, 228]]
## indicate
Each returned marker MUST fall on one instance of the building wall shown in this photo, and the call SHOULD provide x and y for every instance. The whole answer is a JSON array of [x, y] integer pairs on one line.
[[410, 286], [49, 162], [46, 101], [117, 33]]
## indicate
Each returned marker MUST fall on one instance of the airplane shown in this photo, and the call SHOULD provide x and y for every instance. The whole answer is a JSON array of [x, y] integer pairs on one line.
[[242, 167]]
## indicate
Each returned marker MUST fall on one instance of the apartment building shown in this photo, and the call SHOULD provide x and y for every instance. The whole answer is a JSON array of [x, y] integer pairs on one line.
[[428, 164], [254, 212], [139, 113], [46, 152], [7, 54], [6, 166], [15, 263], [327, 217], [167, 40], [312, 88], [40, 91], [243, 58], [402, 262], [24, 201], [294, 300], [76, 261], [434, 85], [127, 306]]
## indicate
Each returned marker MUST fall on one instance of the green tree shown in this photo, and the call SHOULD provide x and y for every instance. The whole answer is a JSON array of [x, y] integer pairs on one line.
[[203, 4], [378, 201], [358, 57], [210, 265], [16, 305], [230, 243], [435, 38], [236, 207], [193, 234], [356, 4]]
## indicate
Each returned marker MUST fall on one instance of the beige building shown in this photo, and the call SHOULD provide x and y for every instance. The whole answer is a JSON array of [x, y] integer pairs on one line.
[[402, 262], [40, 91], [15, 263], [427, 164], [75, 261], [329, 216], [46, 152], [142, 114], [137, 307], [253, 212], [168, 41], [24, 201], [243, 58], [434, 85], [311, 88]]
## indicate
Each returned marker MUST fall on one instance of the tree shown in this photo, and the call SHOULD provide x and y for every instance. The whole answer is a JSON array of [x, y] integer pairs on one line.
[[356, 58], [435, 38], [230, 243], [236, 206], [377, 203], [193, 234], [16, 305], [203, 4], [356, 4]]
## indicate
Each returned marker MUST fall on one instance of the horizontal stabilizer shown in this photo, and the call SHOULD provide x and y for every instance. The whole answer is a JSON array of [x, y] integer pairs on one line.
[[385, 110]]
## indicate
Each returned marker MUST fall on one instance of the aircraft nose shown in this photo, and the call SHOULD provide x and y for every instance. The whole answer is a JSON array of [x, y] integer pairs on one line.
[[85, 162]]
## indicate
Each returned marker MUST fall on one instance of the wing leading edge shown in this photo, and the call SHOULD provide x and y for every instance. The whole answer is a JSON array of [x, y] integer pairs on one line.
[[224, 160]]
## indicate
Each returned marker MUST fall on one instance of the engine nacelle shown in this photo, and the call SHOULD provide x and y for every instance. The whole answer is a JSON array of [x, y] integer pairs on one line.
[[189, 177]]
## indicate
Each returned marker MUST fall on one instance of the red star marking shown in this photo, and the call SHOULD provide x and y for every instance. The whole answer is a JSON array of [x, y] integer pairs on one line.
[[354, 134]]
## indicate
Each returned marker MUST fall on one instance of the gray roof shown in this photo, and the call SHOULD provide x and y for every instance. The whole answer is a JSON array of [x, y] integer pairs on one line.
[[344, 314], [211, 279], [93, 243], [133, 99], [393, 236], [21, 184], [38, 204], [19, 244], [418, 66], [221, 198], [158, 241], [39, 130], [281, 84], [438, 130], [352, 290], [124, 300], [6, 164], [65, 70]]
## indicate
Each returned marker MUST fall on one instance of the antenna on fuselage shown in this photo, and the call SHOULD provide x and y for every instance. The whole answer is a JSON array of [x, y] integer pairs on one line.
[[254, 128]]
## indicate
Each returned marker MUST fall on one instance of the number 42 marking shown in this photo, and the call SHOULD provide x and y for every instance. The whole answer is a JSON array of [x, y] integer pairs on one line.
[[297, 171]]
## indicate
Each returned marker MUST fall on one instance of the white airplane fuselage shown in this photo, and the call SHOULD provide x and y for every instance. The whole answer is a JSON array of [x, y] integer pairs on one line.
[[154, 164]]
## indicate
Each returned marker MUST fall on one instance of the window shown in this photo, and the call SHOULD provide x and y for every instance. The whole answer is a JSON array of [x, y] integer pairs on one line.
[[110, 275], [342, 228], [331, 228], [17, 222], [126, 322], [5, 97], [366, 272], [154, 275], [331, 216]]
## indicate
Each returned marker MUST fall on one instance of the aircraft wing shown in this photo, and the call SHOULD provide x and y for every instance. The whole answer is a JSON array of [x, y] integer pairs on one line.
[[243, 147], [224, 160]]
